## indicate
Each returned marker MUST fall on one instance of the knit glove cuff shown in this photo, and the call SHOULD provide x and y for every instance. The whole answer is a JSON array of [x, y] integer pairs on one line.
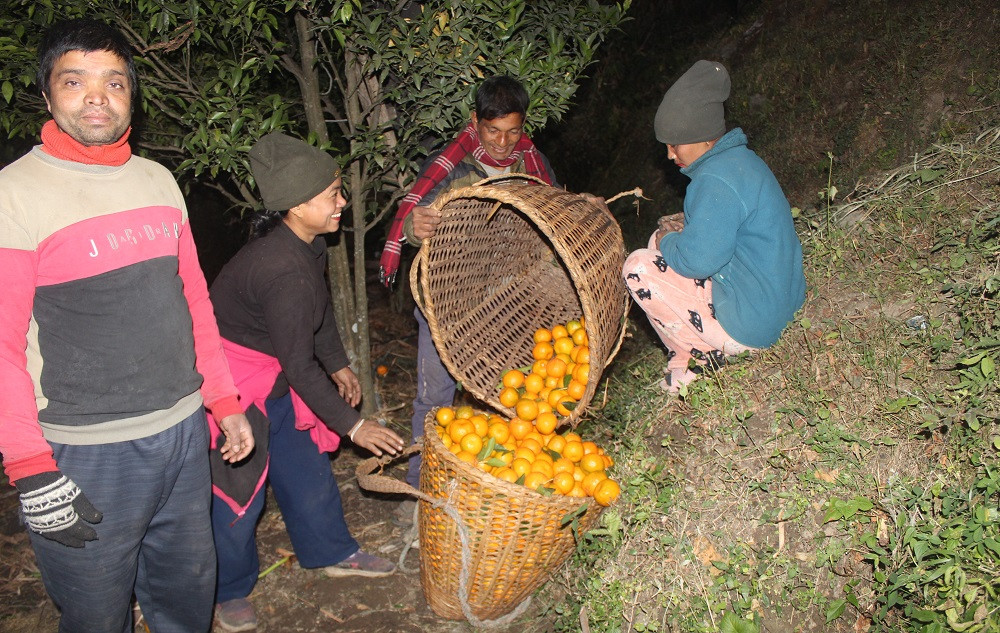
[[55, 507]]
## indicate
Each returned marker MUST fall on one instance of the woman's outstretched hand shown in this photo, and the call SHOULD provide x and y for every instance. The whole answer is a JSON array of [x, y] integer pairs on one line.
[[377, 438]]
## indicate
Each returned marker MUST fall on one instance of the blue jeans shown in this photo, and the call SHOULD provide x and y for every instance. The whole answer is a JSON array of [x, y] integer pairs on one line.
[[435, 388], [155, 538], [307, 493]]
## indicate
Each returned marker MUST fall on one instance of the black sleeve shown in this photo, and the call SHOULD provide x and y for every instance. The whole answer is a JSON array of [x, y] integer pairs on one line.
[[287, 303], [329, 346]]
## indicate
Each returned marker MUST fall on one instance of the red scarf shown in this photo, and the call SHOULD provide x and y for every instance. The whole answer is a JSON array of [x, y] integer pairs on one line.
[[57, 143], [466, 143]]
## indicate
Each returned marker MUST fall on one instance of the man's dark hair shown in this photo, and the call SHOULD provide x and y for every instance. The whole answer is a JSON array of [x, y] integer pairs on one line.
[[82, 35], [499, 96]]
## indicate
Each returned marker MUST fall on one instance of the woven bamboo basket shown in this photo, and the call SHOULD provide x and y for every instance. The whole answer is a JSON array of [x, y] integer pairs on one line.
[[515, 538], [512, 255]]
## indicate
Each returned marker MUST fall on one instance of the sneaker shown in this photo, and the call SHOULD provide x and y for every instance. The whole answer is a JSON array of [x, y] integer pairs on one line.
[[361, 563], [236, 615], [402, 516]]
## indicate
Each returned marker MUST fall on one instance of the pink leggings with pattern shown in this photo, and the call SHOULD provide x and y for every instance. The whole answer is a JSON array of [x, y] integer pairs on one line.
[[679, 309]]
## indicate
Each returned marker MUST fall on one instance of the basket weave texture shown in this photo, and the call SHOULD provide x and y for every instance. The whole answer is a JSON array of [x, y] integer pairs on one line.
[[516, 536], [512, 255]]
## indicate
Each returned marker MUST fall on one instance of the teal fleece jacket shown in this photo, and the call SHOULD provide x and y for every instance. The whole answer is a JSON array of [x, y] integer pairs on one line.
[[738, 231]]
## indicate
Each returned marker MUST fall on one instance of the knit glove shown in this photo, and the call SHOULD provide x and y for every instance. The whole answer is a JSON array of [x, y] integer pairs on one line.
[[53, 506]]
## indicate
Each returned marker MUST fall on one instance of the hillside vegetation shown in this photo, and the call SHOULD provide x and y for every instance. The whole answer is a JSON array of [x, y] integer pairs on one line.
[[847, 479]]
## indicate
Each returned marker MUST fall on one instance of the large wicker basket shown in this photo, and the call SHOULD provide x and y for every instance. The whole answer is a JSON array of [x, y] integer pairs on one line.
[[515, 538], [512, 255]]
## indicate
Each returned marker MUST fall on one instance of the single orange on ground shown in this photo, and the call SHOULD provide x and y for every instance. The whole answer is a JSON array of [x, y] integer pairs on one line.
[[542, 335], [513, 378], [444, 415], [606, 492], [381, 370], [526, 409], [509, 396], [563, 482], [545, 423]]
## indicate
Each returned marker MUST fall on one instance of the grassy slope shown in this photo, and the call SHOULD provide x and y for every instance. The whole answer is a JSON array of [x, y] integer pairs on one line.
[[846, 479]]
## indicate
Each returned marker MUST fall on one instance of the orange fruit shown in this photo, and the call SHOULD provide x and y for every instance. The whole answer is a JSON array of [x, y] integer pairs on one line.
[[535, 479], [577, 491], [474, 443], [606, 492], [555, 368], [582, 373], [499, 431], [563, 483], [572, 435], [542, 351], [466, 457], [543, 406], [555, 443], [538, 367], [559, 331], [552, 382], [533, 383], [590, 462], [381, 370], [579, 337], [507, 474], [589, 447], [446, 439], [555, 396], [509, 396], [573, 451], [542, 335], [591, 480], [444, 415], [531, 443], [561, 407], [573, 326], [513, 378], [525, 452], [562, 465], [583, 355], [563, 345], [459, 429], [543, 396], [527, 409], [534, 435], [608, 461], [576, 389], [545, 423], [519, 428], [520, 466], [464, 412], [540, 466], [505, 456], [480, 424], [578, 473]]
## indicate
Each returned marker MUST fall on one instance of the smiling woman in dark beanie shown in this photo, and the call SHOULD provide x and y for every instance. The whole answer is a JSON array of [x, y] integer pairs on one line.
[[275, 316], [728, 278]]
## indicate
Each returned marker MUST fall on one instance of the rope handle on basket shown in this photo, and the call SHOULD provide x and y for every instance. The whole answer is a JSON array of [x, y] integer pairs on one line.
[[637, 192], [381, 483]]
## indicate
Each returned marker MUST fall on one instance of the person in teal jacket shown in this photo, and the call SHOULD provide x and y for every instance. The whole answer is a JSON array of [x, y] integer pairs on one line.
[[728, 277]]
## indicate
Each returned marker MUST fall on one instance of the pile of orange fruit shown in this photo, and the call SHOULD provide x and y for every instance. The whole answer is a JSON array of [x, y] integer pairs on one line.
[[557, 380], [529, 453]]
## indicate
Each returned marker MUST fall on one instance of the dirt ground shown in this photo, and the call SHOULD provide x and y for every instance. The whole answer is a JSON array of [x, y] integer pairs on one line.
[[291, 599]]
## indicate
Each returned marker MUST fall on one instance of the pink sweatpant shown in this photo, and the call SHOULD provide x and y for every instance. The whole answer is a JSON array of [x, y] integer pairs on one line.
[[679, 309]]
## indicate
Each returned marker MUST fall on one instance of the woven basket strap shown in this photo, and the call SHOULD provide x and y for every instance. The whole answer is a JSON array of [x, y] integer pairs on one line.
[[382, 483]]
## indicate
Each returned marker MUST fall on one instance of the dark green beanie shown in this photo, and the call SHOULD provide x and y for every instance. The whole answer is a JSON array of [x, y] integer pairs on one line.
[[289, 171], [691, 110]]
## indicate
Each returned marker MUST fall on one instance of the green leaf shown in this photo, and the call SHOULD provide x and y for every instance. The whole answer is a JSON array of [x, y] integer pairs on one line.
[[7, 90]]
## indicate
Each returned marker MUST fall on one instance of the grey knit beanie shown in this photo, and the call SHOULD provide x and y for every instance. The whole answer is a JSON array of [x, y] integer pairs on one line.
[[691, 110], [289, 171]]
